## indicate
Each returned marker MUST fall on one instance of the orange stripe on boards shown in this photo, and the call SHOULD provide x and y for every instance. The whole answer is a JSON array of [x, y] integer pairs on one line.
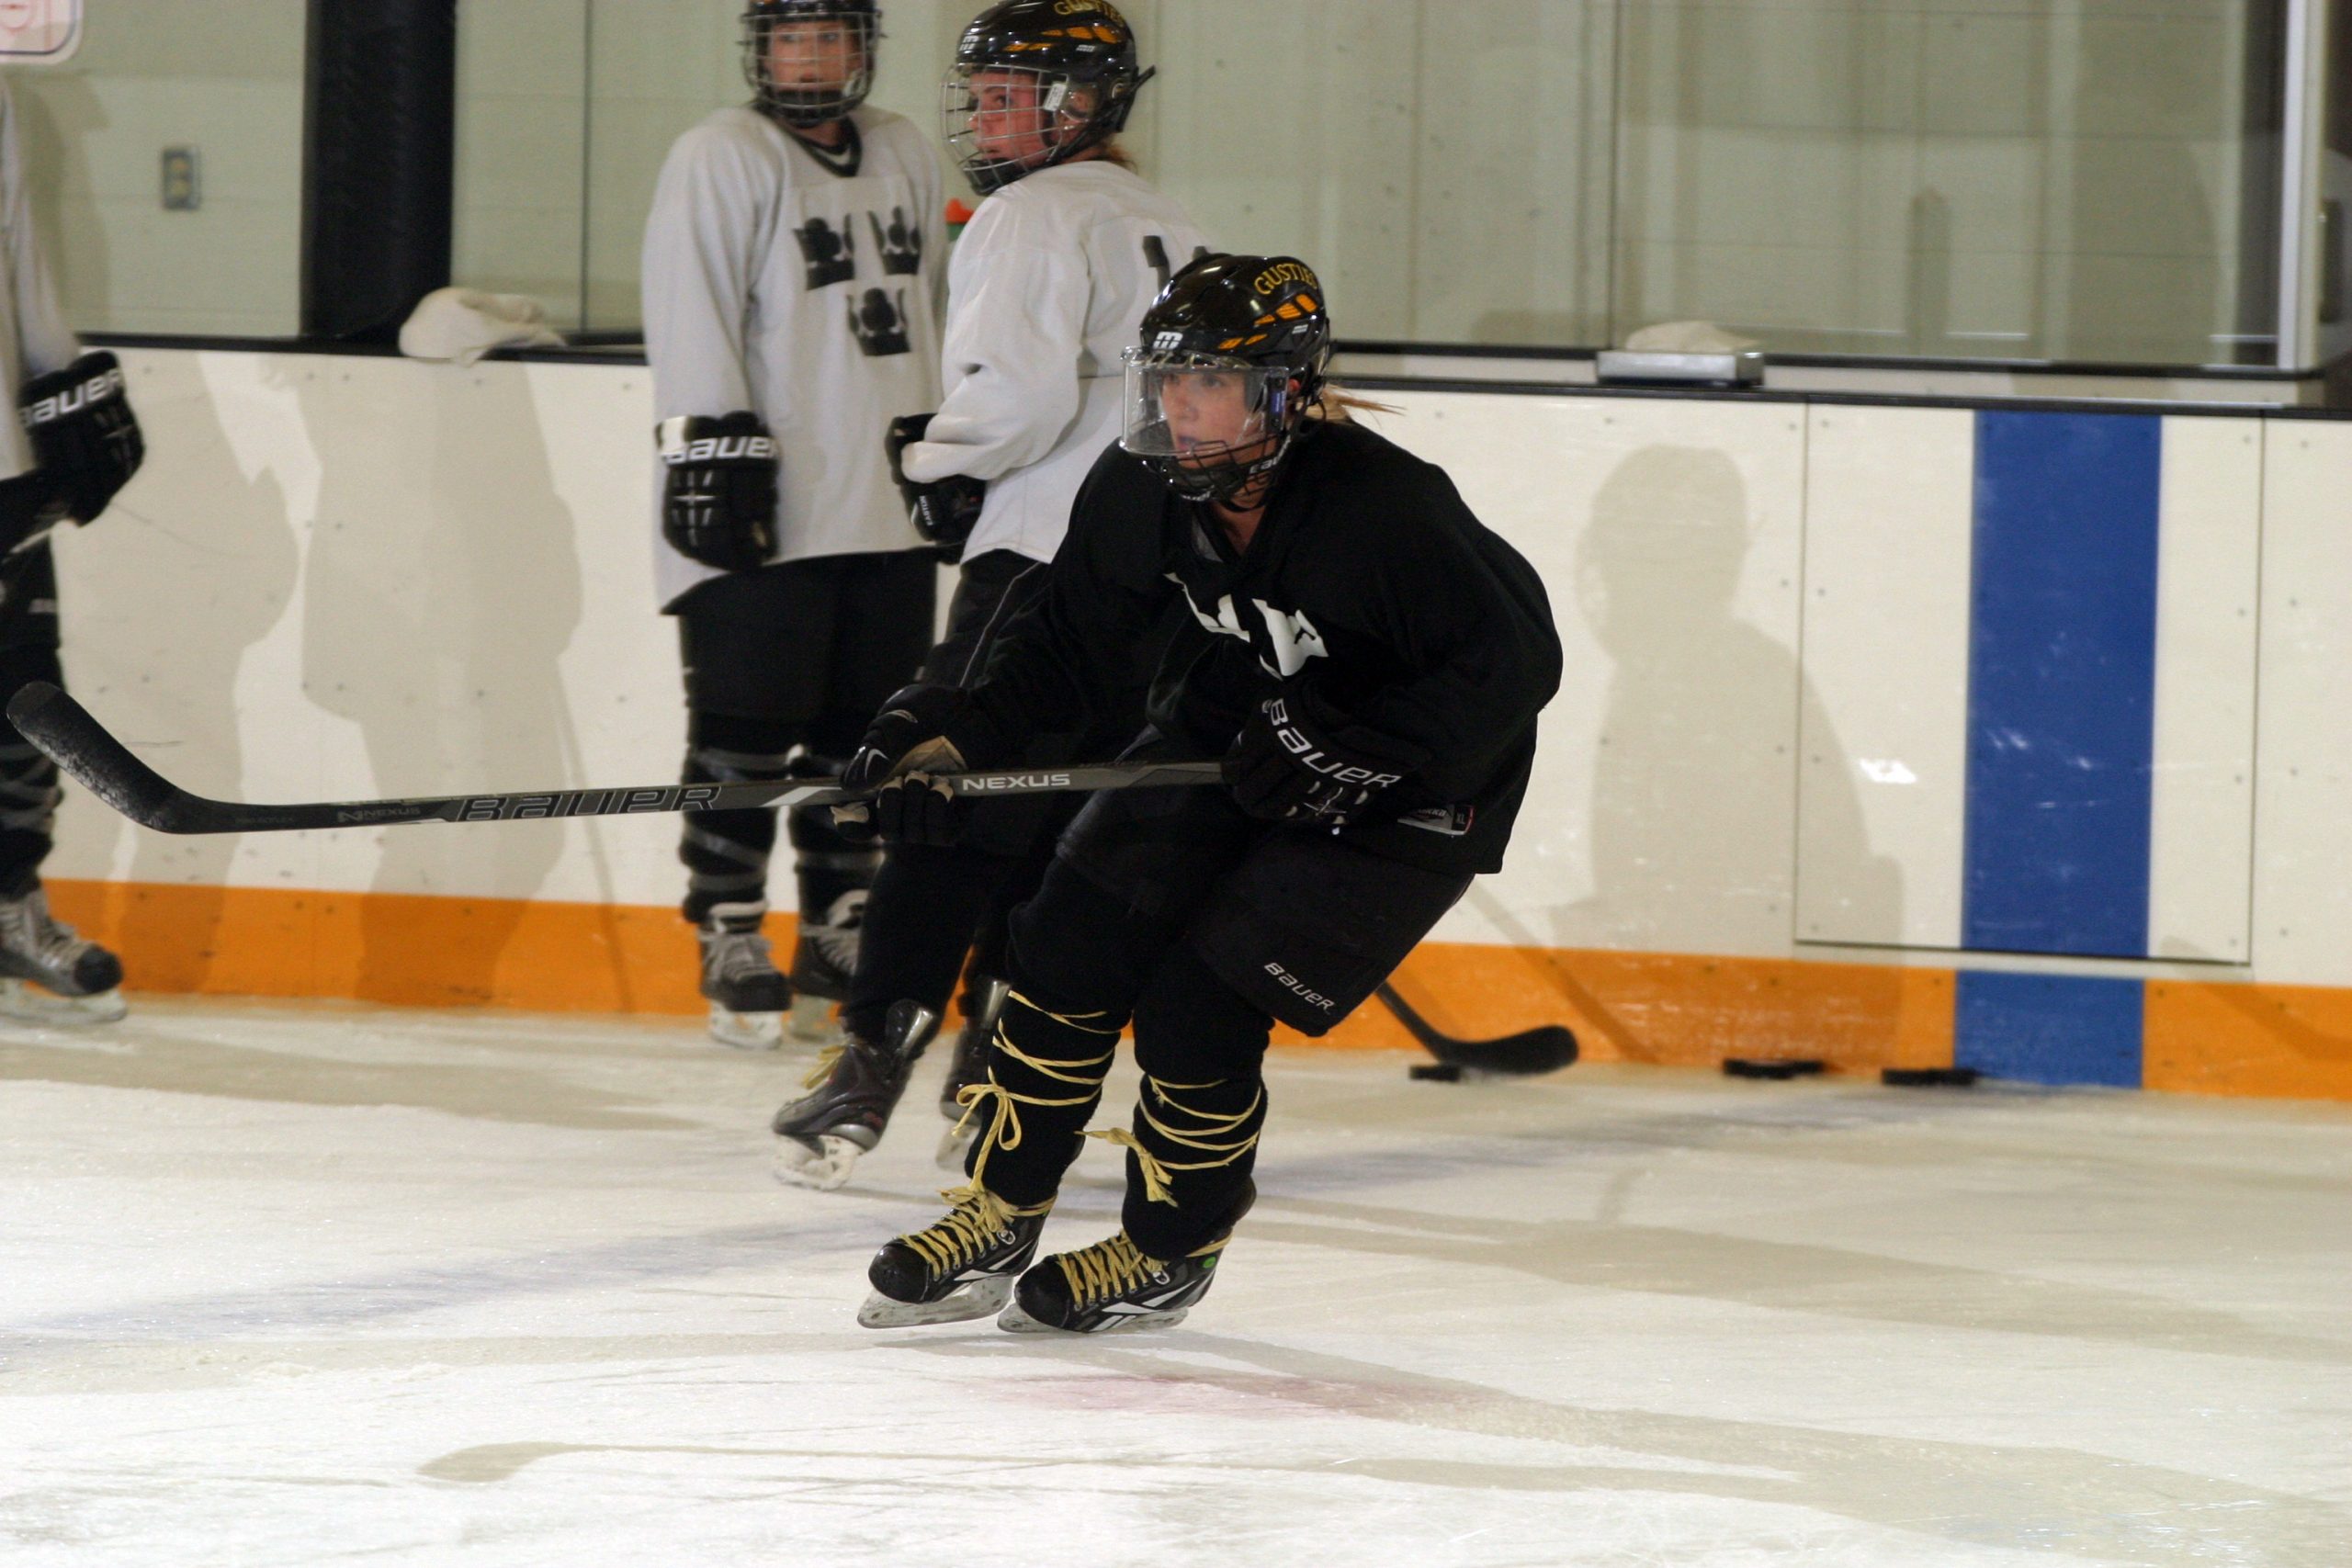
[[401, 949], [1629, 1007], [555, 957], [2287, 1041]]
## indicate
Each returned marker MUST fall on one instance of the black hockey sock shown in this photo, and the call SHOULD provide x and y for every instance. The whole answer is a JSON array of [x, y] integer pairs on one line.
[[29, 797], [1189, 1158], [28, 792], [918, 921], [826, 865], [726, 853], [1045, 1078]]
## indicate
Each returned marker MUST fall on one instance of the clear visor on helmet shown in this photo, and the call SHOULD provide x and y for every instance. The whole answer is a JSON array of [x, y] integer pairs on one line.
[[1011, 118], [1202, 409], [810, 70]]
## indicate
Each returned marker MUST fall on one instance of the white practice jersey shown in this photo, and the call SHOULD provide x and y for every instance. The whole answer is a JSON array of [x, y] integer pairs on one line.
[[1048, 288], [810, 296], [34, 339]]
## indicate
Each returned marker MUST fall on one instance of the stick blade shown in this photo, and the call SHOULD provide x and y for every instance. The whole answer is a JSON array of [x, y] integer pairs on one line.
[[64, 732], [1530, 1053]]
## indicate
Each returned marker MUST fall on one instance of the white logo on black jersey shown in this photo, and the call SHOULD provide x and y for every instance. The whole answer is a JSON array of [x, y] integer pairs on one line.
[[1290, 638]]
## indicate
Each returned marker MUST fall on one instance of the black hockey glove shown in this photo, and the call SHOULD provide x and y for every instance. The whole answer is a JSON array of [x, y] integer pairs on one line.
[[718, 502], [943, 512], [1285, 769], [905, 744], [29, 508], [84, 435]]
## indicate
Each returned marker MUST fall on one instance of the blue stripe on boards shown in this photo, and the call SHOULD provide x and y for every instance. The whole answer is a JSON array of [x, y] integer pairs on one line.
[[2062, 683], [2054, 1029]]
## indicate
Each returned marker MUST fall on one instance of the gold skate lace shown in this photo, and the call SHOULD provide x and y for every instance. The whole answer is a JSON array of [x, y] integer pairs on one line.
[[1003, 1131], [1110, 1268], [1155, 1169], [826, 1060], [977, 1220]]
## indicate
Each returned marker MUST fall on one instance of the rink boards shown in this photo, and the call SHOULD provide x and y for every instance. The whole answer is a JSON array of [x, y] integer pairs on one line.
[[2008, 735]]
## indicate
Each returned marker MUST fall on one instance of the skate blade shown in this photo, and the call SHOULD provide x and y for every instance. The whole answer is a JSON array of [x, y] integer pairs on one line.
[[1013, 1320], [812, 1021], [822, 1168], [28, 1003], [980, 1298], [949, 1155], [746, 1031]]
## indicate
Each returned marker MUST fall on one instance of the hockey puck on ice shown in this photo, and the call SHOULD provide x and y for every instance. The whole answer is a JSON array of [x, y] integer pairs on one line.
[[1756, 1068], [1929, 1077], [1436, 1072]]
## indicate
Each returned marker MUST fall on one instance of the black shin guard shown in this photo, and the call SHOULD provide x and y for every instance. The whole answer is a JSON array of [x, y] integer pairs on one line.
[[1189, 1157], [1044, 1081], [835, 876], [28, 789], [726, 853], [1202, 1047]]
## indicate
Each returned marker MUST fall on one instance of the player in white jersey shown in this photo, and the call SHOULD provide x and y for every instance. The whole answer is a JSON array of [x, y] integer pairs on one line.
[[73, 444], [793, 276], [1047, 285]]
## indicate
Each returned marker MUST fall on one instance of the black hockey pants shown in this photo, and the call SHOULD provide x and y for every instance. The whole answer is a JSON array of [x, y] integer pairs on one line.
[[1171, 911], [794, 656]]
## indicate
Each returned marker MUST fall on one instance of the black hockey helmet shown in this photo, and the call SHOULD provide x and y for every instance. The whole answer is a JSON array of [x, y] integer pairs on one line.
[[809, 105], [1079, 55], [1232, 356]]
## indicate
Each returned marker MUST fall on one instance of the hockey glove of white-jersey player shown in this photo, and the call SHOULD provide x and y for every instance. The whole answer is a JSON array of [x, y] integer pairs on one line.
[[84, 435], [718, 500], [905, 744], [943, 512], [1285, 766]]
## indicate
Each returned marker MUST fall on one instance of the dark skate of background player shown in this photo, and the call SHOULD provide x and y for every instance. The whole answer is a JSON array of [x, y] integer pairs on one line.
[[1377, 663]]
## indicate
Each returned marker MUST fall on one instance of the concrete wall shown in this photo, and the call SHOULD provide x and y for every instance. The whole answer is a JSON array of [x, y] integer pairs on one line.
[[1779, 798]]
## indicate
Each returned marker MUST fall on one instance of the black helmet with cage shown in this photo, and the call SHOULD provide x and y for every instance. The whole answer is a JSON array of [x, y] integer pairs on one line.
[[807, 104], [1036, 82], [1232, 357]]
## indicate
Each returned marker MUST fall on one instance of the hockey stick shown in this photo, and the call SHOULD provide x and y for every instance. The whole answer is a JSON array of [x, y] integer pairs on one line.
[[1543, 1049], [68, 736]]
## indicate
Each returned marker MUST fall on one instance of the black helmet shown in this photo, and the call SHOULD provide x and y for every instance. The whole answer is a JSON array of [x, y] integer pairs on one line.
[[1232, 356], [806, 106], [1081, 57]]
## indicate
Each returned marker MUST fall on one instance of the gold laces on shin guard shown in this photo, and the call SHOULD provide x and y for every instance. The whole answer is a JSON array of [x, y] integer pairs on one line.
[[1004, 1130], [1204, 1137], [978, 1221]]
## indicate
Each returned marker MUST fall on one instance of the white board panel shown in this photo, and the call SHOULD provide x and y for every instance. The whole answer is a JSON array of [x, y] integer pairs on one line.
[[1663, 809], [1888, 537], [2303, 889], [2208, 583]]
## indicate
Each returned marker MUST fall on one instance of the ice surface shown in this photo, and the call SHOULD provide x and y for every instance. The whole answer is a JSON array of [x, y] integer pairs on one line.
[[306, 1285]]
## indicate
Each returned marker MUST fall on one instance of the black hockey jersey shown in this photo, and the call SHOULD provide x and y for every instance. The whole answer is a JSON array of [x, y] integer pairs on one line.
[[1424, 637]]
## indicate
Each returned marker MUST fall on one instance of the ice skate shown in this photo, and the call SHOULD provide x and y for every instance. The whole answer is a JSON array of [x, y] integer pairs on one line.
[[959, 1269], [50, 975], [1110, 1287], [983, 1003], [821, 1136], [748, 995]]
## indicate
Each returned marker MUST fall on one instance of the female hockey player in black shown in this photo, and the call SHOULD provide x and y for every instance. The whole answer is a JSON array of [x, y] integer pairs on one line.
[[1377, 664]]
